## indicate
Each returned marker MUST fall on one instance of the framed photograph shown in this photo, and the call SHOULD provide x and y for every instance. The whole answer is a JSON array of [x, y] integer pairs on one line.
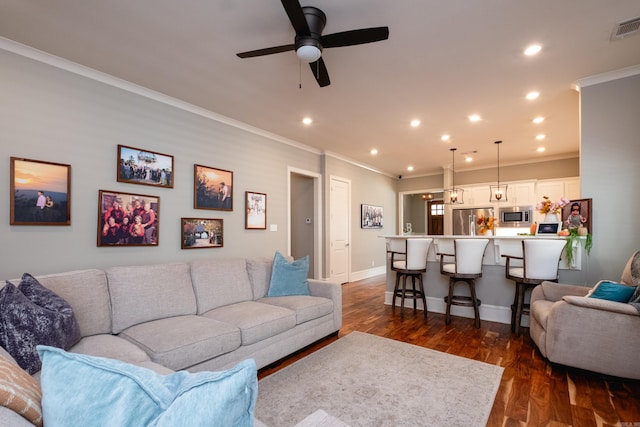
[[548, 228], [255, 217], [372, 216], [126, 219], [40, 192], [200, 233], [213, 188], [577, 213], [138, 166]]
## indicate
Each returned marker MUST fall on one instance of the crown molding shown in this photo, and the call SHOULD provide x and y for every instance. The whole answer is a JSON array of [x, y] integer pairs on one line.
[[608, 76]]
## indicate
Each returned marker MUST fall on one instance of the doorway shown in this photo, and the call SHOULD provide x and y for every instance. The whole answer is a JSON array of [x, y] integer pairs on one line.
[[435, 217]]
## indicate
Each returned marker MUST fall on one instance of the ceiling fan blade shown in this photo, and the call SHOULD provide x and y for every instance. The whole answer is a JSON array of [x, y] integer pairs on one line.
[[267, 51], [296, 16], [353, 37], [320, 72]]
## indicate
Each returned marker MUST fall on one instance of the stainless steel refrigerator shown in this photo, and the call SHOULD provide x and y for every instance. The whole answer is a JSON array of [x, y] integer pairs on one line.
[[464, 220]]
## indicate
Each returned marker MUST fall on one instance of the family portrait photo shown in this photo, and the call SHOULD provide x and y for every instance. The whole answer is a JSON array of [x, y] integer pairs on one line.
[[40, 192], [137, 166], [213, 188], [126, 219]]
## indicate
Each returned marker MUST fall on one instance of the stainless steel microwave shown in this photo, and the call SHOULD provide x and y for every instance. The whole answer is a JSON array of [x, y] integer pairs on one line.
[[516, 216]]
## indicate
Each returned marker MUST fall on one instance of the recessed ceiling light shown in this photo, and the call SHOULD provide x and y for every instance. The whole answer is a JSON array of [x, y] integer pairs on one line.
[[538, 120], [374, 152], [532, 50], [474, 118], [540, 149], [540, 136], [415, 123], [307, 121], [533, 95], [445, 138], [410, 168], [468, 159]]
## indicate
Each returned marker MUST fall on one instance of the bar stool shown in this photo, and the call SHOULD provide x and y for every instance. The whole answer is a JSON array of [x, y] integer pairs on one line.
[[540, 260], [466, 267], [410, 263]]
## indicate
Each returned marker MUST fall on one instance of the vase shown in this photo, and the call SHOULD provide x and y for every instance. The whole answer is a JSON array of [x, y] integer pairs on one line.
[[551, 217], [582, 231], [489, 233]]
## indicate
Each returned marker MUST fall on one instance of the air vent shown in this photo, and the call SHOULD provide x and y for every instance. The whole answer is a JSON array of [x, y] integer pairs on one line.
[[626, 29]]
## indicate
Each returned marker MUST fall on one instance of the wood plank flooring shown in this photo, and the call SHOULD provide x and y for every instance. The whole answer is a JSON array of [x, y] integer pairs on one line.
[[533, 392]]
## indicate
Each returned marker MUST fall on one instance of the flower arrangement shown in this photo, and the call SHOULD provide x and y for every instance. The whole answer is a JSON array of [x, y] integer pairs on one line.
[[486, 223], [547, 206]]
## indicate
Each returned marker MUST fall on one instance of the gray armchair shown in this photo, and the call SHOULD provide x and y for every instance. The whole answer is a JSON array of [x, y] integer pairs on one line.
[[588, 333]]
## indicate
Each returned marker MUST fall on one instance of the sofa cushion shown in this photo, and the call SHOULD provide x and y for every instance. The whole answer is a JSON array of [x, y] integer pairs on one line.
[[87, 293], [612, 291], [256, 321], [218, 282], [31, 314], [183, 341], [289, 278], [20, 392], [143, 293], [111, 346], [259, 270], [127, 395], [306, 307]]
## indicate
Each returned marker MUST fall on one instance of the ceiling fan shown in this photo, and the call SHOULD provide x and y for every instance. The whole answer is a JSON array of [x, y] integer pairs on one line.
[[308, 22]]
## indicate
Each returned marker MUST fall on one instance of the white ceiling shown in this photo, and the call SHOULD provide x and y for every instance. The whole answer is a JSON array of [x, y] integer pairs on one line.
[[443, 61]]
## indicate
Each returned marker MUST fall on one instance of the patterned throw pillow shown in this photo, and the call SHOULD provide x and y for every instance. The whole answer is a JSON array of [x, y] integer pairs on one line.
[[31, 314], [20, 392]]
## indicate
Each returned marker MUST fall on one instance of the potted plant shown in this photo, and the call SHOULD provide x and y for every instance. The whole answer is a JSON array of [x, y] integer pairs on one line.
[[572, 240]]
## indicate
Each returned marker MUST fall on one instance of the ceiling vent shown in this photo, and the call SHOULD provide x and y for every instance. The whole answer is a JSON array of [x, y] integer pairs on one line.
[[626, 29]]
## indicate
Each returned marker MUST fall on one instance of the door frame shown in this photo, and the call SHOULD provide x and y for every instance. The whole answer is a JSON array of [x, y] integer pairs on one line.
[[401, 194], [317, 216]]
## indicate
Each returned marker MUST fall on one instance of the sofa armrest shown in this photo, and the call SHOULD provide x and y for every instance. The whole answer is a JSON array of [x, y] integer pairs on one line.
[[551, 291], [601, 304], [332, 291]]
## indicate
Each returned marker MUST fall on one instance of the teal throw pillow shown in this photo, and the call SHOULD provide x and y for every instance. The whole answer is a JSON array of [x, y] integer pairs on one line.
[[612, 291], [87, 391], [289, 278]]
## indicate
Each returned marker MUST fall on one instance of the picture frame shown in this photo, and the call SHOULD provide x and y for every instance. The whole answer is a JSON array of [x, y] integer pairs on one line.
[[212, 188], [40, 192], [144, 167], [255, 217], [371, 216], [548, 228], [202, 233], [127, 219], [585, 212]]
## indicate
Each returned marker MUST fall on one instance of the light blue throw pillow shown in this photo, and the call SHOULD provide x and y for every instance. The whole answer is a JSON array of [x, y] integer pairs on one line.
[[86, 391], [612, 291], [289, 278]]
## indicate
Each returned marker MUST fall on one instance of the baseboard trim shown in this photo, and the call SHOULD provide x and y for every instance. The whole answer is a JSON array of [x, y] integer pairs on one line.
[[365, 274]]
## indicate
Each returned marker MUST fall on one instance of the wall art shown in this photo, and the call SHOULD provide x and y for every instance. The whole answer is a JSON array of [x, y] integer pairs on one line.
[[137, 166], [200, 233], [255, 211], [126, 219], [577, 213], [372, 216], [213, 188], [40, 192]]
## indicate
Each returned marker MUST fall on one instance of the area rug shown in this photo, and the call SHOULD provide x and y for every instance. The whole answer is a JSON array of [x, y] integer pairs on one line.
[[365, 380]]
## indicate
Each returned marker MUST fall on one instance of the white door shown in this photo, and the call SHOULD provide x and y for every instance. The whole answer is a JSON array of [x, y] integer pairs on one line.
[[339, 230]]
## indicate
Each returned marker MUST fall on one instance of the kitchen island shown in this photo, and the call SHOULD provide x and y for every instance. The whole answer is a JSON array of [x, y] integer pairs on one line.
[[494, 290]]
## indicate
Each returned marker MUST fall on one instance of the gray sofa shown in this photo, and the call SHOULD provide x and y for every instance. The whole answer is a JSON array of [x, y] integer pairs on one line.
[[587, 333], [207, 314]]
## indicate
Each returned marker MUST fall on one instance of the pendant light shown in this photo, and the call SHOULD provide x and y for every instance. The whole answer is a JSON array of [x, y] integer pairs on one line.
[[453, 196], [498, 192]]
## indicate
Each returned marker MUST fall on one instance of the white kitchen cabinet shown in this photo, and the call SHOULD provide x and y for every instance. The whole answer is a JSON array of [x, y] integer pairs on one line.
[[521, 194]]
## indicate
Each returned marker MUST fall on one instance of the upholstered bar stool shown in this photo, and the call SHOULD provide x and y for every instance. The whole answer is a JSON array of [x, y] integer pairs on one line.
[[466, 267], [540, 259], [411, 263]]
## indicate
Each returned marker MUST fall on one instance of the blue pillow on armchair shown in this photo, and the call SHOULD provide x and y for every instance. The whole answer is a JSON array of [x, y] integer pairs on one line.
[[289, 278]]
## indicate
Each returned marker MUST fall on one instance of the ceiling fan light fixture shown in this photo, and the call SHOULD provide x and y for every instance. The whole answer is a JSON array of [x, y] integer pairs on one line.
[[308, 53]]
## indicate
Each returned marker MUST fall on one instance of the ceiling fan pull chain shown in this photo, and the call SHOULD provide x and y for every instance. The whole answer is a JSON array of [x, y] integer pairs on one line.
[[299, 74]]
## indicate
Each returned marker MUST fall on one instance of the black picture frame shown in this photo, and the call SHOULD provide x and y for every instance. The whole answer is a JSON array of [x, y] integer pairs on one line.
[[371, 216], [202, 233], [40, 192], [144, 167], [118, 223]]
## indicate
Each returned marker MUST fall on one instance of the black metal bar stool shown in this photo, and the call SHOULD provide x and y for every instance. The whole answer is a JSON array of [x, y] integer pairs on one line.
[[411, 264]]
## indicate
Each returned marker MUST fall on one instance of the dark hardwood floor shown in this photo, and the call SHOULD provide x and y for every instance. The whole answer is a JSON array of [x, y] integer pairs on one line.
[[533, 392]]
